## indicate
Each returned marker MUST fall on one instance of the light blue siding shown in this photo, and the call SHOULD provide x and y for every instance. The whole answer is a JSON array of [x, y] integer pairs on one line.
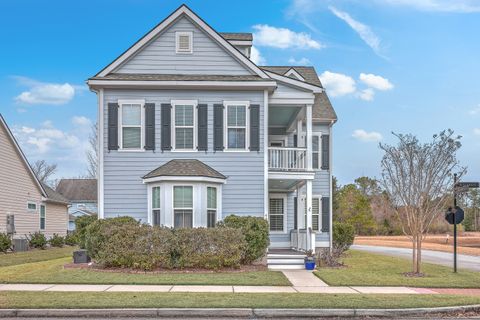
[[159, 56], [89, 206], [124, 192]]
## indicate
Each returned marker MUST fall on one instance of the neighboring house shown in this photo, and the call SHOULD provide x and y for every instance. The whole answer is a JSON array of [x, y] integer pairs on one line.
[[75, 214], [34, 206], [191, 131]]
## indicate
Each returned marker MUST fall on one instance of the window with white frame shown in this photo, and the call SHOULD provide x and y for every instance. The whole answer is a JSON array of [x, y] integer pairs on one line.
[[156, 206], [184, 42], [315, 214], [183, 206], [315, 151], [131, 123], [276, 214], [31, 206], [184, 126], [42, 217], [237, 126], [211, 207]]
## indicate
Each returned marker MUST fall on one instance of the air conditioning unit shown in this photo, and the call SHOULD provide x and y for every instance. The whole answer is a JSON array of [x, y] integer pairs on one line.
[[10, 224]]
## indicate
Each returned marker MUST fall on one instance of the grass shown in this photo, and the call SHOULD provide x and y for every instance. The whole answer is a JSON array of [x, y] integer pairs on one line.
[[52, 271], [34, 255], [369, 269], [17, 299]]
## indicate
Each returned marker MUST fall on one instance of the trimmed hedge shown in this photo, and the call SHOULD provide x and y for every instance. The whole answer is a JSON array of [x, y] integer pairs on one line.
[[125, 243], [255, 230]]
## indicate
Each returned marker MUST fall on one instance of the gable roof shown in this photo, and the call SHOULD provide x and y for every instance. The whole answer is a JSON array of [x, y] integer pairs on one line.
[[53, 196], [182, 10], [78, 189], [238, 36], [22, 156], [185, 168]]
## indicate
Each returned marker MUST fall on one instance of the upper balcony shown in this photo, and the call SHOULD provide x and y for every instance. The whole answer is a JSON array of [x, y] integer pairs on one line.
[[287, 159]]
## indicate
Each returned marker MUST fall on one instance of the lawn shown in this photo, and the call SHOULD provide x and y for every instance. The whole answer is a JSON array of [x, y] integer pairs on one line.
[[17, 299], [34, 255], [52, 271], [369, 269]]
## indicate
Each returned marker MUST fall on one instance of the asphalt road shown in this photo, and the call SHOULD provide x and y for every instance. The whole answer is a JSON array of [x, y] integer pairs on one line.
[[436, 257]]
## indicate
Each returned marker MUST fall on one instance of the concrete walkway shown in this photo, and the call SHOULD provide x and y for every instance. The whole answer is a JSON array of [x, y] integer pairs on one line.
[[303, 288], [303, 278], [430, 256]]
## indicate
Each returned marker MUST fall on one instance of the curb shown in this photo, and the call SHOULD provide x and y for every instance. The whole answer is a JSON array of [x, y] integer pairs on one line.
[[246, 313]]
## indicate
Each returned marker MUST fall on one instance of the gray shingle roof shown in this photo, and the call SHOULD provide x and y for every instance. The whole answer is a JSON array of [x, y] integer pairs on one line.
[[54, 196], [78, 189], [308, 73], [185, 168], [178, 77], [242, 36]]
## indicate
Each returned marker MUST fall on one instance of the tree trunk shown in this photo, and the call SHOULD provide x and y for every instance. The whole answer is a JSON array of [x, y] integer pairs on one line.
[[419, 254], [414, 253]]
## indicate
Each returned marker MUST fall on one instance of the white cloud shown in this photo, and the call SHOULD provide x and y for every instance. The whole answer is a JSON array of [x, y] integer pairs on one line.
[[81, 121], [476, 131], [364, 31], [256, 57], [45, 93], [367, 94], [365, 136], [283, 38], [300, 62], [455, 6], [376, 82], [475, 111], [337, 84]]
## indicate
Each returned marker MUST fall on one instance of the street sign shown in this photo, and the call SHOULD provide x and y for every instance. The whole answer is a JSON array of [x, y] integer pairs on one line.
[[468, 185], [454, 216]]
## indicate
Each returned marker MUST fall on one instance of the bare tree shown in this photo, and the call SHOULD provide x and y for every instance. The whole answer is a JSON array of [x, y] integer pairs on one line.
[[418, 178], [43, 170], [92, 153]]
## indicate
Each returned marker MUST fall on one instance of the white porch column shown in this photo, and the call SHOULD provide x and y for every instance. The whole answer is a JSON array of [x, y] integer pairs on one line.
[[299, 216], [300, 140], [309, 136], [308, 203]]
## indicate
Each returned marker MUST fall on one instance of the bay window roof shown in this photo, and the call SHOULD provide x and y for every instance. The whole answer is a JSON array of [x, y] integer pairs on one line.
[[184, 168]]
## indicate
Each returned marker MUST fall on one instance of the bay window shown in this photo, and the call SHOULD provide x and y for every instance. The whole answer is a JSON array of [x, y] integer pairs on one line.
[[156, 206], [211, 207], [183, 206]]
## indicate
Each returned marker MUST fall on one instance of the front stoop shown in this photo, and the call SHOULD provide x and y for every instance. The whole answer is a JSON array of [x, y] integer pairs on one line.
[[286, 261]]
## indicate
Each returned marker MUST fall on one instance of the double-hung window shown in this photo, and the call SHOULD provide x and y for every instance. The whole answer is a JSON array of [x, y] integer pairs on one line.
[[316, 152], [183, 206], [184, 125], [42, 217], [156, 206], [131, 123], [315, 214], [211, 207], [276, 214], [237, 126]]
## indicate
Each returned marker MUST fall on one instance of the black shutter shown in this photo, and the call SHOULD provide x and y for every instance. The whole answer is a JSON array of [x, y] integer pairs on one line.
[[254, 127], [113, 126], [295, 143], [325, 214], [166, 124], [149, 126], [295, 213], [218, 127], [202, 127], [325, 152]]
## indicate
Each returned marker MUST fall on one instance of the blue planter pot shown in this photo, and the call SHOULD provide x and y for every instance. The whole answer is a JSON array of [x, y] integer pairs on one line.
[[310, 265]]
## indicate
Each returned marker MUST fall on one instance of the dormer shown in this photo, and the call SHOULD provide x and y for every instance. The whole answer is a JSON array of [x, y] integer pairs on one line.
[[241, 41]]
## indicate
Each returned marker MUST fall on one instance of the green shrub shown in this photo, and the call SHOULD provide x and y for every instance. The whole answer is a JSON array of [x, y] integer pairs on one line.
[[71, 239], [255, 230], [37, 240], [5, 242], [343, 235], [56, 241], [81, 224]]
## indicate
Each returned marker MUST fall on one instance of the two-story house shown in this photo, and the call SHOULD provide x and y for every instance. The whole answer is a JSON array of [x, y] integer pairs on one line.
[[191, 130]]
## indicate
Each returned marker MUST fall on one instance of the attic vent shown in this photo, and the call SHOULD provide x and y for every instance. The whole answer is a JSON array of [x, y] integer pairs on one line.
[[184, 42]]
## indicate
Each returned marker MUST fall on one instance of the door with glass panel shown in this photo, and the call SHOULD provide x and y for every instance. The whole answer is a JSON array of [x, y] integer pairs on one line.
[[183, 206]]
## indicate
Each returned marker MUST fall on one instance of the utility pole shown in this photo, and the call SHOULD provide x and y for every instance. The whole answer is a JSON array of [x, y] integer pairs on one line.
[[454, 223]]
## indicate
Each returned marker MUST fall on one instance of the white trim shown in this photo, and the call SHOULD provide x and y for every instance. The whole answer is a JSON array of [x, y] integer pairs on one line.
[[120, 125], [226, 105], [319, 135], [295, 73], [295, 101], [217, 215], [308, 120], [291, 175], [330, 170], [32, 210], [40, 217], [105, 83], [164, 24], [178, 34], [183, 178], [193, 103], [322, 244], [293, 82], [266, 106], [282, 196], [241, 42], [100, 168]]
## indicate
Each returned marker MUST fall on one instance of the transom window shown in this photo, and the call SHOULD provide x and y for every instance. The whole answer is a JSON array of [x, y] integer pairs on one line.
[[315, 152], [276, 214], [42, 217], [156, 206], [32, 206], [184, 42], [131, 125], [237, 127], [183, 206], [184, 124], [211, 207]]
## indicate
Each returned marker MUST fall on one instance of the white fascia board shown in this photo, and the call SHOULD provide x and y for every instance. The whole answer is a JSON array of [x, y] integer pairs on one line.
[[295, 73], [164, 24], [291, 175], [295, 101], [240, 42], [184, 179], [296, 83], [184, 84]]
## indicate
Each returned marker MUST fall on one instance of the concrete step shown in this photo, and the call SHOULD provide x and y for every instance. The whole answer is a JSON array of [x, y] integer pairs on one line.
[[286, 267], [285, 261], [285, 256]]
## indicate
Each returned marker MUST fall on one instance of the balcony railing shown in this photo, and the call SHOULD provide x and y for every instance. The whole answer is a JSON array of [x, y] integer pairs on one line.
[[287, 159]]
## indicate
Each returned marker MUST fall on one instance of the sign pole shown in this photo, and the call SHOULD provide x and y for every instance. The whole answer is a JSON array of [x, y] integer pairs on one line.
[[454, 224]]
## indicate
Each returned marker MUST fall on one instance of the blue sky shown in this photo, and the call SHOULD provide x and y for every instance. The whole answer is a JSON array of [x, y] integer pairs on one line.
[[408, 66]]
